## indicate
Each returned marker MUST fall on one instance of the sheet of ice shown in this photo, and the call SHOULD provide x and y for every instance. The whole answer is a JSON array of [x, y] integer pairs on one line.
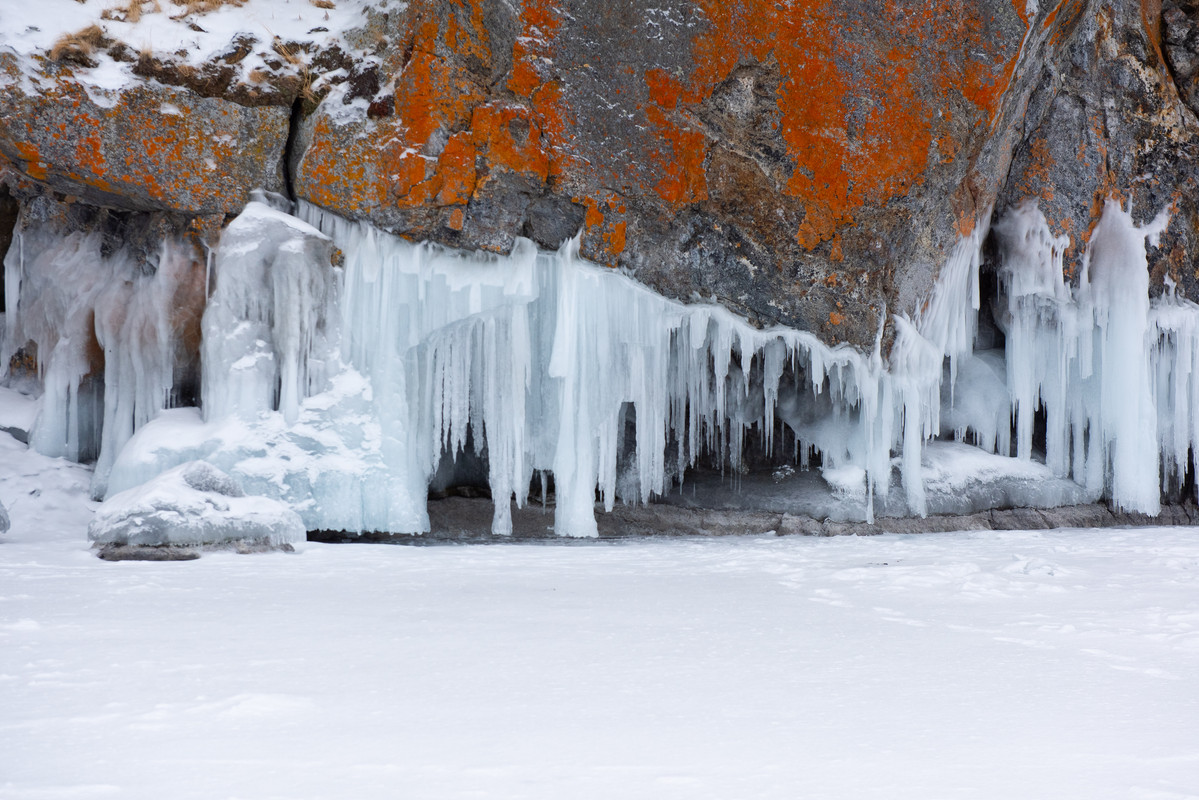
[[962, 479], [957, 478], [993, 666], [46, 498], [18, 411], [193, 504]]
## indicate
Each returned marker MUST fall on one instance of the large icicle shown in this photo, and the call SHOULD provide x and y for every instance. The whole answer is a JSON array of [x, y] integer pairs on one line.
[[543, 363], [1109, 369], [108, 335]]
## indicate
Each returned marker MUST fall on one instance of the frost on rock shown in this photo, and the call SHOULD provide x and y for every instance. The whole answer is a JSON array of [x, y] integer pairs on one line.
[[193, 504]]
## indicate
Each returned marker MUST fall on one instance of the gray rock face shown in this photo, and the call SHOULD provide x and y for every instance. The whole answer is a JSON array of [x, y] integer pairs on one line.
[[1114, 117], [810, 165], [4, 522]]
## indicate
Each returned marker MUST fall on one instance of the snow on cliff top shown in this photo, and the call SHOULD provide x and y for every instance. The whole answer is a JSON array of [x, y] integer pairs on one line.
[[180, 31]]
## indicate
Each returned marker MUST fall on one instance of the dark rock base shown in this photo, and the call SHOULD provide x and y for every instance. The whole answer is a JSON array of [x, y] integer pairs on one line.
[[463, 520], [124, 552]]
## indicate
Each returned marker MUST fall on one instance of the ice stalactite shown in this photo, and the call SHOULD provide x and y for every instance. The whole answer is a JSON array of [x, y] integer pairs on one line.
[[344, 389], [106, 332], [943, 334], [1109, 369], [542, 357]]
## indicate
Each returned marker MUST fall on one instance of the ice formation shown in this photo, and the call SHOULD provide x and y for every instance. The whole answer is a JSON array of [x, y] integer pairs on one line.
[[1088, 356], [537, 357], [343, 390], [193, 504], [106, 334]]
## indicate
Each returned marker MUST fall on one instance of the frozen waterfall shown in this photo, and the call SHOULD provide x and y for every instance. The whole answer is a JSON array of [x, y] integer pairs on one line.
[[343, 367]]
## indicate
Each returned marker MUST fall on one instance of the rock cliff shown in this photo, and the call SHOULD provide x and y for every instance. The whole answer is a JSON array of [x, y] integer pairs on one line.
[[803, 163]]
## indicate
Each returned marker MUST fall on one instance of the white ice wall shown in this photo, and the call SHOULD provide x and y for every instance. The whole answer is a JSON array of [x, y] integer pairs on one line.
[[106, 334], [1111, 370], [338, 389]]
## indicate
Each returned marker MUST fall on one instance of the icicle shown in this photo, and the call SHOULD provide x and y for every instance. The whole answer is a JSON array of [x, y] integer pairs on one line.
[[540, 360]]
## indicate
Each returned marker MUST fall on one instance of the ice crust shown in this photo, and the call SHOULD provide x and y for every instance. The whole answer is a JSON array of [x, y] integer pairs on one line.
[[193, 504], [342, 390]]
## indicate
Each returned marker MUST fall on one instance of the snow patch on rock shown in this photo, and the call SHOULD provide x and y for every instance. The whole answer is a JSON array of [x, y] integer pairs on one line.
[[193, 504]]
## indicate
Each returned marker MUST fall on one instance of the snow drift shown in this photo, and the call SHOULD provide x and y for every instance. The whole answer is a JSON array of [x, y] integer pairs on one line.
[[193, 504]]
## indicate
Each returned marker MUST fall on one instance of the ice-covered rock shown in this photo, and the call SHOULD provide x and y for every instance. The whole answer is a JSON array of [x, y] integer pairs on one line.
[[193, 504]]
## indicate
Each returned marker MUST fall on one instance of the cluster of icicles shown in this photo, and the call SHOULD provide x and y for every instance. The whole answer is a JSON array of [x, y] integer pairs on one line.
[[340, 389]]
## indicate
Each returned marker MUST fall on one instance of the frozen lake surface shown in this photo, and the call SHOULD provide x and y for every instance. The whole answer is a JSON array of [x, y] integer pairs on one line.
[[1061, 664]]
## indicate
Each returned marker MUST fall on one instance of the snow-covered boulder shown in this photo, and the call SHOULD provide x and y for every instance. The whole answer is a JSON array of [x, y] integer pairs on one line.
[[4, 523], [193, 504]]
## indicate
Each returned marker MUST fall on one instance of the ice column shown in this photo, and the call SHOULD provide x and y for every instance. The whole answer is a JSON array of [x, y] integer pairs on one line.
[[1108, 367], [269, 341], [108, 330]]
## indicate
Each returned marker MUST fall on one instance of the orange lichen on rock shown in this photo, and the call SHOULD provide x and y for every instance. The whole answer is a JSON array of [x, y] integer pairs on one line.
[[1036, 180], [540, 21], [664, 89], [472, 42], [603, 239], [844, 158], [327, 168], [151, 148], [509, 137], [679, 159], [456, 167], [28, 153]]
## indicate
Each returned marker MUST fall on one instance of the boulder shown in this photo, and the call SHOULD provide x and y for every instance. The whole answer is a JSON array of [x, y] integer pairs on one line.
[[193, 504], [141, 147]]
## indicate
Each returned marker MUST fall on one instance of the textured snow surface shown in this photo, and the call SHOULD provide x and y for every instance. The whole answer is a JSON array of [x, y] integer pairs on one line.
[[1055, 664], [30, 29], [194, 503]]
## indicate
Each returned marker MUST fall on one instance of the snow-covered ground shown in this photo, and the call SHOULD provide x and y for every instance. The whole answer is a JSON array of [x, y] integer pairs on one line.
[[1057, 664]]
